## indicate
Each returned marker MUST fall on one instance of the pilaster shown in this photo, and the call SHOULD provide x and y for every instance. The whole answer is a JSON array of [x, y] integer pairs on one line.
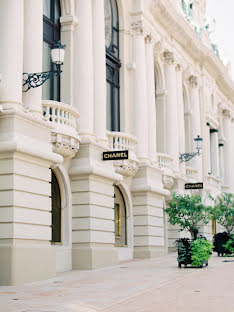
[[25, 221], [11, 52], [83, 67], [228, 160], [33, 41], [195, 120], [148, 197], [68, 26], [150, 98], [92, 183], [99, 70], [180, 104], [140, 111], [172, 134]]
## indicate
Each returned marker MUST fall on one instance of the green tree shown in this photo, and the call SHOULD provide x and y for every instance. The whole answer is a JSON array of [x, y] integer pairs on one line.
[[187, 211], [223, 211]]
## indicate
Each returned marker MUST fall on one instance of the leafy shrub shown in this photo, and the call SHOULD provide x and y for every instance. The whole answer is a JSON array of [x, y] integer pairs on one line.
[[201, 251], [223, 211], [219, 240], [187, 211], [229, 246]]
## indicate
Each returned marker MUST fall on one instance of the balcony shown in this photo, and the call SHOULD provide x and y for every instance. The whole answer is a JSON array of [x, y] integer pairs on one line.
[[165, 162], [191, 173], [119, 141], [64, 135], [213, 182]]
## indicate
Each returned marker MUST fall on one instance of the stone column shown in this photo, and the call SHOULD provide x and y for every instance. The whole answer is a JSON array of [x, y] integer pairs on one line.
[[151, 99], [11, 52], [68, 26], [83, 69], [221, 161], [33, 40], [228, 159], [180, 105], [140, 112], [99, 69], [208, 147], [172, 134], [214, 152], [195, 121]]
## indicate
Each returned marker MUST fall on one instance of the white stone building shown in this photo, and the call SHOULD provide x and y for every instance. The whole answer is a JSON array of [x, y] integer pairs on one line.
[[138, 75]]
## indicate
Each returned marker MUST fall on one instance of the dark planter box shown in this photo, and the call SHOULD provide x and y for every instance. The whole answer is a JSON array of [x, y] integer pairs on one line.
[[186, 259], [219, 240]]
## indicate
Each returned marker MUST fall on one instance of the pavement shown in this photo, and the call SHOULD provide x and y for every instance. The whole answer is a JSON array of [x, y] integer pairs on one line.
[[136, 286]]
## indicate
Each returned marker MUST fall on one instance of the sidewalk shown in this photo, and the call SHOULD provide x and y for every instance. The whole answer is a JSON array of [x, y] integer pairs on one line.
[[137, 286]]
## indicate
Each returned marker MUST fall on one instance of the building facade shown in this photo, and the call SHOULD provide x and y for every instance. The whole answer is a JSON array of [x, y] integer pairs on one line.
[[140, 76]]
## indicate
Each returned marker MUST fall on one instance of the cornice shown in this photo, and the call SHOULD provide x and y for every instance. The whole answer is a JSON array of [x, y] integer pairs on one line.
[[182, 32]]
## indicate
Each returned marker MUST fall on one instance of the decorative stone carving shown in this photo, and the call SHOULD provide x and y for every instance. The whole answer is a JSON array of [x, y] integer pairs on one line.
[[168, 57], [226, 113], [168, 181], [64, 145], [193, 81], [126, 167]]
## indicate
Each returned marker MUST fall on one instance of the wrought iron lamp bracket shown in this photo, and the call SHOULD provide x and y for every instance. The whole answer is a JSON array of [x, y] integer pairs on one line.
[[187, 156], [35, 80]]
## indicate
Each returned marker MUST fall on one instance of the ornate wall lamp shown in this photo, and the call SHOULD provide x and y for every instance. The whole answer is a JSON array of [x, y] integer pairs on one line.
[[35, 80], [187, 156]]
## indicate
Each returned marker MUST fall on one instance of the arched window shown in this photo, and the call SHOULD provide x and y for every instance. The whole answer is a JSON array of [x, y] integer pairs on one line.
[[56, 210], [112, 65], [51, 34], [120, 219]]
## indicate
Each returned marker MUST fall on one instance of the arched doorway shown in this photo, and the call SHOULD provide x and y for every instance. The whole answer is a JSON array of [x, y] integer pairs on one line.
[[61, 218], [120, 219], [56, 210]]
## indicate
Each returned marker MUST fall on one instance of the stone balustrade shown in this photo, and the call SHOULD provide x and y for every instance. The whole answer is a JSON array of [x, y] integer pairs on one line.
[[164, 161], [191, 172], [62, 115], [64, 135], [121, 141]]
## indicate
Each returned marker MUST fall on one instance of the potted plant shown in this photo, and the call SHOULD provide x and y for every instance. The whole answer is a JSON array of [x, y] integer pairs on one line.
[[223, 213], [195, 252], [188, 211]]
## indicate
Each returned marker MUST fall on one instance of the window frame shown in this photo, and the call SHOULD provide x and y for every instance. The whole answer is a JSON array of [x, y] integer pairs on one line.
[[52, 34], [113, 65]]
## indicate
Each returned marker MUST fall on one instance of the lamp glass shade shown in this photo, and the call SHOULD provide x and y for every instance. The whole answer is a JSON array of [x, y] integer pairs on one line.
[[198, 141], [57, 56]]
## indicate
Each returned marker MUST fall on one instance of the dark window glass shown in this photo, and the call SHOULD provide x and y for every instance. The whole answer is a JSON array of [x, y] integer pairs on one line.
[[56, 209], [112, 65], [51, 34]]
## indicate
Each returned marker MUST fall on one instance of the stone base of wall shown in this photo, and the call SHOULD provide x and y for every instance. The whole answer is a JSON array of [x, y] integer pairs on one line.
[[21, 264], [149, 252], [93, 257]]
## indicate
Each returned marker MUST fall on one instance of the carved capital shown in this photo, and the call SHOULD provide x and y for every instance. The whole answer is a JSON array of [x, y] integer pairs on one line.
[[148, 39], [179, 68], [193, 81], [168, 57], [227, 114], [68, 22]]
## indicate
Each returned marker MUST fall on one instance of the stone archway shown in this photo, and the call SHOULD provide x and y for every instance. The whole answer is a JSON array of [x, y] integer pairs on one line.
[[64, 249], [125, 252]]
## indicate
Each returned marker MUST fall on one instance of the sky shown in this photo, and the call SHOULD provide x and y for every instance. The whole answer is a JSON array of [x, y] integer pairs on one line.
[[223, 12]]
